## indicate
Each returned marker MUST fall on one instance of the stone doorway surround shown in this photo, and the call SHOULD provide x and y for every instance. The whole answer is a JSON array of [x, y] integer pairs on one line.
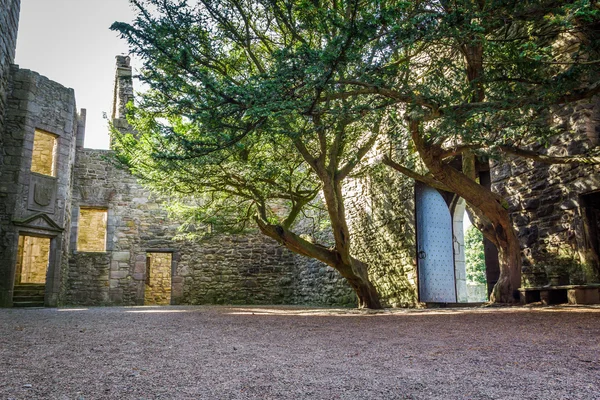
[[465, 292], [41, 226], [158, 282]]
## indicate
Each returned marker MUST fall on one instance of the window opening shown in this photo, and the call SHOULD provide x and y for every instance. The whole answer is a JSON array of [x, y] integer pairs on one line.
[[91, 235], [43, 160]]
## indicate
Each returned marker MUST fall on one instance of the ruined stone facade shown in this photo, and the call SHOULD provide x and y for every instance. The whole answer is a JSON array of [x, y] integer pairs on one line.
[[220, 269], [47, 178], [112, 242], [33, 203]]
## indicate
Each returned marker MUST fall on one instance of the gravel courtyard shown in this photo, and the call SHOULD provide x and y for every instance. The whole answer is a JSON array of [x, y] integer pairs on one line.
[[299, 353]]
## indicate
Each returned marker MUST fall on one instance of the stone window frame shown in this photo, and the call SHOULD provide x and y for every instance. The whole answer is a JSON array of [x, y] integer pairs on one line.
[[55, 152], [106, 231]]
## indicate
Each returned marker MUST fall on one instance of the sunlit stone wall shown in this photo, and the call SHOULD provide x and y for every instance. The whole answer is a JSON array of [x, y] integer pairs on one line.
[[91, 233], [218, 269], [380, 209], [158, 284], [33, 259]]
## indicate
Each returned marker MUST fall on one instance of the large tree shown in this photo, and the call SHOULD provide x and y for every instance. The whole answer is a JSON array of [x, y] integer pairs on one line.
[[243, 112], [456, 79]]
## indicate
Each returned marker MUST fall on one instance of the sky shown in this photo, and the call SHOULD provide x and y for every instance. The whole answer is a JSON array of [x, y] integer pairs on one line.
[[69, 42]]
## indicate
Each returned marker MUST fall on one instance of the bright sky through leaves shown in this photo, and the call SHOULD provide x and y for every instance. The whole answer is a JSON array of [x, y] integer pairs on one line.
[[69, 41]]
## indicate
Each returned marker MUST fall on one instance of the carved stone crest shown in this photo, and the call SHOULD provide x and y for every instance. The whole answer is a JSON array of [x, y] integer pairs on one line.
[[42, 193]]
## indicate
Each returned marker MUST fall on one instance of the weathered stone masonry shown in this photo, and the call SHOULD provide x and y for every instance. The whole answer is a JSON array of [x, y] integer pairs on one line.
[[546, 201], [9, 21], [32, 203], [221, 269], [547, 207]]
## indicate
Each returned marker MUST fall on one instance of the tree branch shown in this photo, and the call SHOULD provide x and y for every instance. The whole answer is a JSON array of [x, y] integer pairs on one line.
[[298, 245], [428, 180], [362, 151], [532, 155]]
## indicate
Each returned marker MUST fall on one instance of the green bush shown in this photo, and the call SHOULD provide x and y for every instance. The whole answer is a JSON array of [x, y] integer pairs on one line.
[[474, 256]]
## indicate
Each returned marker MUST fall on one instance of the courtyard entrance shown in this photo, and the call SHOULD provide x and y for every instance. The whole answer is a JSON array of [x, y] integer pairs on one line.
[[158, 279], [450, 251], [469, 257], [434, 247]]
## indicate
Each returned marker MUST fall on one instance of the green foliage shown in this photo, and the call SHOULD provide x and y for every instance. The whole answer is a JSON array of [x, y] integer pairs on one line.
[[254, 104], [474, 256], [223, 188], [246, 110]]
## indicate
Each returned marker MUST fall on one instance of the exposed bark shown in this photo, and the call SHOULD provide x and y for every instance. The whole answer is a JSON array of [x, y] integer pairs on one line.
[[426, 179], [327, 168], [355, 271]]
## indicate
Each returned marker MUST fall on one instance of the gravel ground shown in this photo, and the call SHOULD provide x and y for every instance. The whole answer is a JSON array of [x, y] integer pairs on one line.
[[299, 353]]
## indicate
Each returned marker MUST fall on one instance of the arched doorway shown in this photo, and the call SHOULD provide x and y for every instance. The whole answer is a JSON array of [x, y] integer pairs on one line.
[[469, 257], [451, 260]]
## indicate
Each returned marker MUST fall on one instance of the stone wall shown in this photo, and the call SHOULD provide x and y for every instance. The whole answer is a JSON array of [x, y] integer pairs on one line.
[[318, 284], [32, 203], [9, 22], [380, 209], [219, 269], [545, 200]]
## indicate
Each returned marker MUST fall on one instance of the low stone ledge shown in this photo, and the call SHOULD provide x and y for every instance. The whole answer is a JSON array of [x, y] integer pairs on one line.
[[571, 294]]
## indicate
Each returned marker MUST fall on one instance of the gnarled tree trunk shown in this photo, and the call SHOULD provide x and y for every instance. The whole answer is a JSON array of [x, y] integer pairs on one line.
[[354, 271], [338, 257]]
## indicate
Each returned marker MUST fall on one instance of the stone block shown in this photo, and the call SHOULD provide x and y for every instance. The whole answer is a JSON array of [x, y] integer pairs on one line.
[[584, 295], [140, 267], [139, 276], [118, 274], [116, 295], [121, 256]]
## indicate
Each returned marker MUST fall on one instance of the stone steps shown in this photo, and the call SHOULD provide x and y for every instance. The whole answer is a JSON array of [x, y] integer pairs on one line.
[[29, 295]]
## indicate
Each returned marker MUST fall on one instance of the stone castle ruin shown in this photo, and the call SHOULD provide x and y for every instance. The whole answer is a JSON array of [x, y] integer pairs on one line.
[[77, 229]]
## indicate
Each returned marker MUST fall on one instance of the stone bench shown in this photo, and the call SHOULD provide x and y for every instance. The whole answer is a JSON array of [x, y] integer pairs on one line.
[[571, 294]]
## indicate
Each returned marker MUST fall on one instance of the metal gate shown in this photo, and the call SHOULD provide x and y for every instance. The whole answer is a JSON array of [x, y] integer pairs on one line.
[[434, 247]]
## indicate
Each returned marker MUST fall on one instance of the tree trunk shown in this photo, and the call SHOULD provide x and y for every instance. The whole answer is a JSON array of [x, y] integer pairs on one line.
[[490, 205], [355, 272], [357, 276]]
